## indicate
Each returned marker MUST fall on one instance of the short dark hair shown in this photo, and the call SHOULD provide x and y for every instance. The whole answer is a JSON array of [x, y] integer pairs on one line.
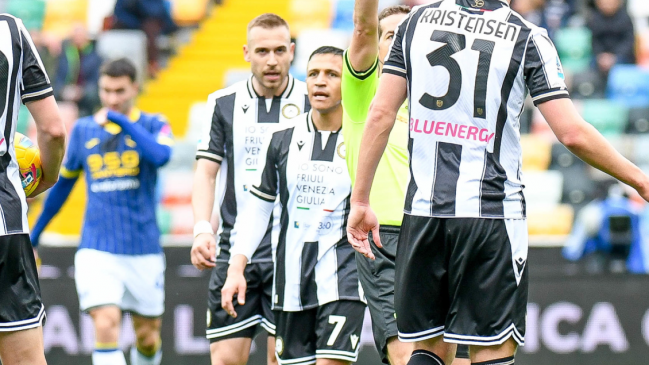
[[118, 68], [268, 21], [392, 10], [327, 50]]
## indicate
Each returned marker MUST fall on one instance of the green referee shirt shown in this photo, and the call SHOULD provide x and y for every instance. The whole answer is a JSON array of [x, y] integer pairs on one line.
[[390, 182]]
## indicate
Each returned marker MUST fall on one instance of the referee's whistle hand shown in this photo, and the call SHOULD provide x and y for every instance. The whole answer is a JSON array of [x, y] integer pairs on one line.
[[235, 284], [361, 221], [203, 253]]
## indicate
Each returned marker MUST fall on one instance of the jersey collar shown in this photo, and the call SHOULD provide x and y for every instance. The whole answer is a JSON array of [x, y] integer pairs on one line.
[[484, 5], [311, 124], [287, 92]]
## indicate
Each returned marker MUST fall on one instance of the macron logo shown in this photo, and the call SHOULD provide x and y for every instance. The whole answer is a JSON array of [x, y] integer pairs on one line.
[[245, 108], [450, 130]]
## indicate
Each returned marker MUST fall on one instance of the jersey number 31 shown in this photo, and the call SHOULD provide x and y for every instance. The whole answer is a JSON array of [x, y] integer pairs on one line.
[[442, 57]]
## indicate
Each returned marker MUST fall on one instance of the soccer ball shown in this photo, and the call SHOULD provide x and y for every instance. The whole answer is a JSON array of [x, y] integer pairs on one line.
[[29, 163]]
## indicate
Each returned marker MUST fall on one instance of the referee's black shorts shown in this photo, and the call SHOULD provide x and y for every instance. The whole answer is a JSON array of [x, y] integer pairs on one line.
[[377, 280], [462, 278], [21, 307]]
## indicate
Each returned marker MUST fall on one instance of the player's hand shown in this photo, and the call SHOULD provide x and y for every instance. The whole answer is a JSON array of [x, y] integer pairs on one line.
[[235, 284], [203, 253], [361, 221]]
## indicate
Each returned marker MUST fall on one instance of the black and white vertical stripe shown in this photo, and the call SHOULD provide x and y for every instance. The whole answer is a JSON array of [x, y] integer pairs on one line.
[[22, 78], [469, 67]]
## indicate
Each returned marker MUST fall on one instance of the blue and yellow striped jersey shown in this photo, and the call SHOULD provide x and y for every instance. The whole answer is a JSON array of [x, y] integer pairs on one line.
[[120, 214]]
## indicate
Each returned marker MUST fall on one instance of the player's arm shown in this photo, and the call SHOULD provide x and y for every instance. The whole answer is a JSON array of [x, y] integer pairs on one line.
[[210, 153], [364, 46], [153, 149], [390, 96], [587, 143], [383, 113], [36, 92], [251, 227]]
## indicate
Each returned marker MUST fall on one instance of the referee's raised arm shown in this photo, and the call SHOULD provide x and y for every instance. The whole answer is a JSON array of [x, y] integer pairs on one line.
[[364, 46]]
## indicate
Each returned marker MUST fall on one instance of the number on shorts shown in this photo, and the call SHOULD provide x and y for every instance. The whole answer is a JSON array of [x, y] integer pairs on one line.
[[339, 322]]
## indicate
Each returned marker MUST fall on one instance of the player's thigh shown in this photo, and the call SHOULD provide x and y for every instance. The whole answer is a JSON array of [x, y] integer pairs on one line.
[[22, 347], [107, 321], [271, 359], [220, 325], [21, 307], [488, 281], [398, 353], [98, 278], [487, 353], [339, 327], [421, 299], [296, 338], [231, 351], [144, 277]]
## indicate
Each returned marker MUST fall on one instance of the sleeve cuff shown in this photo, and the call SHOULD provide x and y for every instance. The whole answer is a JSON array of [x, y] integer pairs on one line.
[[209, 156], [548, 95], [263, 196], [68, 174], [363, 74], [394, 70], [35, 94]]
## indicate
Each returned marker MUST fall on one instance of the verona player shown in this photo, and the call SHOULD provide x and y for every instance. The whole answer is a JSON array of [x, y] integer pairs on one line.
[[24, 79], [466, 67], [120, 264], [239, 119], [373, 34], [317, 296]]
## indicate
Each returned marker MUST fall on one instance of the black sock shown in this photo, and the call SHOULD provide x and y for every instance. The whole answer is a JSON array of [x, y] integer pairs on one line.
[[423, 357], [503, 361]]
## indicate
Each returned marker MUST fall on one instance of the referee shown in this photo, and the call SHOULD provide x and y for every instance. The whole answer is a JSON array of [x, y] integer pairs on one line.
[[23, 78], [373, 34]]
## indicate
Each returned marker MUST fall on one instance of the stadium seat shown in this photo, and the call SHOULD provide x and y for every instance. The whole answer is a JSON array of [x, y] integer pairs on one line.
[[638, 121], [131, 44], [574, 47], [578, 187], [164, 220], [543, 189], [62, 15], [629, 85], [344, 16], [188, 12], [609, 117], [312, 14], [32, 12], [536, 153], [552, 221], [641, 150], [587, 85]]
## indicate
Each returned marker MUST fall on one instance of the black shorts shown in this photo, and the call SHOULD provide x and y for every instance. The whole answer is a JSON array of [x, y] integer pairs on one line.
[[462, 278], [256, 312], [330, 331], [21, 307], [377, 279]]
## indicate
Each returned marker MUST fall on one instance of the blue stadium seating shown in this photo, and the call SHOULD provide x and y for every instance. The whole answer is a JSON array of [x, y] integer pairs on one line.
[[343, 19], [629, 85]]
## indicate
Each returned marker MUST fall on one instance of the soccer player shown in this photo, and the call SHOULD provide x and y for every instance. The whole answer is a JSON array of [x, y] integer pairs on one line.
[[119, 266], [21, 309], [317, 296], [373, 34], [466, 67], [239, 119]]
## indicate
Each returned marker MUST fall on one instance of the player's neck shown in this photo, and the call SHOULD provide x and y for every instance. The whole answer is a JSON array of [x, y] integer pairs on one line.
[[330, 120], [266, 92]]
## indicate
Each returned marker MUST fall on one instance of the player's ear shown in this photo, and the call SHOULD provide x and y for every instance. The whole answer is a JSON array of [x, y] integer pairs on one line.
[[291, 49], [246, 53]]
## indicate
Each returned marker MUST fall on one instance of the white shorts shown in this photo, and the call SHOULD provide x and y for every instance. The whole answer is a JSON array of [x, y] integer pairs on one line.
[[134, 283]]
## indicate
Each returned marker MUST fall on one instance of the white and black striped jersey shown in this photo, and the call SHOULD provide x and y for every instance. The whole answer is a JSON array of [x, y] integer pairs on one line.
[[234, 131], [22, 78], [469, 66], [314, 263]]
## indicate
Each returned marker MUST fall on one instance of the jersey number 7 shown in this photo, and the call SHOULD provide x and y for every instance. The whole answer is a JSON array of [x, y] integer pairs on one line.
[[442, 57]]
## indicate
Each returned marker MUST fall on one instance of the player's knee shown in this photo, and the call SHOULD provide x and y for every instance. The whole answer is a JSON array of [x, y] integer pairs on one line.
[[106, 327], [147, 341], [221, 356], [399, 352]]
